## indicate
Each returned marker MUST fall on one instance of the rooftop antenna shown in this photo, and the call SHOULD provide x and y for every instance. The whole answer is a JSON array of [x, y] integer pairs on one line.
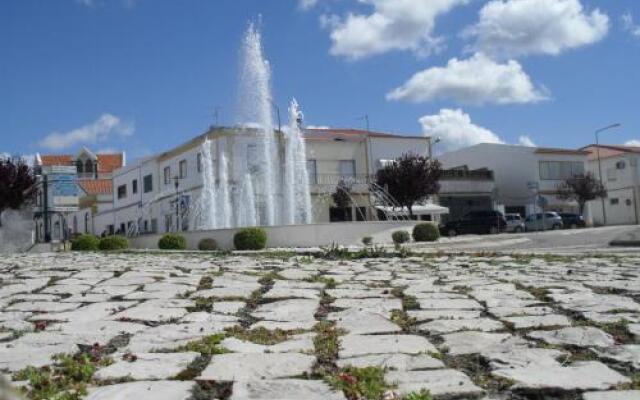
[[366, 120], [216, 115]]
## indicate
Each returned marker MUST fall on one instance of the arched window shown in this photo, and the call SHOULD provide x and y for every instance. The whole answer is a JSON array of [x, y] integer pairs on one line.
[[79, 166]]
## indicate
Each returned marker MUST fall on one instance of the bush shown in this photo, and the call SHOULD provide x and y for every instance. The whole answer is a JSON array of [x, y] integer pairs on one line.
[[172, 241], [85, 243], [400, 237], [426, 233], [114, 242], [207, 244], [250, 239], [367, 240]]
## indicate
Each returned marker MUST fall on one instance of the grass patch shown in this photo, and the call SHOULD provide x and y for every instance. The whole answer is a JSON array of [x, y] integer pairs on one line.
[[67, 379], [402, 319], [269, 279], [208, 345], [329, 283], [206, 282], [361, 383], [327, 341], [262, 335], [421, 395], [202, 304]]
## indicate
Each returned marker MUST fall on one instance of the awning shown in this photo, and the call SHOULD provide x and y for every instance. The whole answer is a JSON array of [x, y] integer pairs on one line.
[[425, 209]]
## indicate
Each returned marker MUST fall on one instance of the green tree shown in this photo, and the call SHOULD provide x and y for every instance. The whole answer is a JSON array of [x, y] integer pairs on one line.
[[16, 182], [581, 188], [410, 179]]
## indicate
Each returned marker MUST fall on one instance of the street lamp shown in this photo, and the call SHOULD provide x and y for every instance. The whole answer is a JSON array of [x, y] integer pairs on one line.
[[432, 145], [176, 184], [606, 128]]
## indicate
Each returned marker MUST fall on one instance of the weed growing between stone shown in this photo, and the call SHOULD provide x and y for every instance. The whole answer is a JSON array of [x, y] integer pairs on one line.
[[67, 379]]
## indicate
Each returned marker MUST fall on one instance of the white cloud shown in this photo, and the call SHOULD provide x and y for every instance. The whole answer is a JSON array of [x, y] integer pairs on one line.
[[307, 4], [455, 129], [98, 131], [525, 140], [317, 127], [476, 80], [634, 142], [630, 26], [521, 27], [393, 25]]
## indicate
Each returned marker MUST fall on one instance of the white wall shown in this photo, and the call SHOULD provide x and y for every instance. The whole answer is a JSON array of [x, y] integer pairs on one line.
[[383, 148], [315, 235]]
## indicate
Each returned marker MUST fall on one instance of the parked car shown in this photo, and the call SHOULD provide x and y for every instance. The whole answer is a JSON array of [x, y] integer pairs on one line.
[[477, 222], [543, 222], [514, 223], [572, 221]]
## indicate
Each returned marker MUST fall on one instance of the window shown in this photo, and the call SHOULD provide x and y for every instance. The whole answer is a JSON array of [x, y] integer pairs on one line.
[[79, 166], [312, 171], [612, 174], [134, 186], [146, 226], [182, 169], [154, 225], [147, 183], [167, 175], [559, 170], [347, 169], [122, 191], [88, 166], [199, 162], [614, 201]]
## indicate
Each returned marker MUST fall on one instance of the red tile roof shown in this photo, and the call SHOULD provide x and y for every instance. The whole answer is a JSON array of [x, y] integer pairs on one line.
[[607, 150], [96, 186], [109, 162], [50, 160], [106, 162]]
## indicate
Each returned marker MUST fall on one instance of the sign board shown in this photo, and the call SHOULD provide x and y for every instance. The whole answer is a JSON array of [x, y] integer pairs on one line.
[[543, 202], [532, 185]]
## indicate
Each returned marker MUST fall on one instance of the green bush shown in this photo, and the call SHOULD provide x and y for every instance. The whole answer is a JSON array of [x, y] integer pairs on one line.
[[114, 242], [250, 239], [172, 241], [426, 233], [400, 237], [207, 244], [367, 240], [85, 243]]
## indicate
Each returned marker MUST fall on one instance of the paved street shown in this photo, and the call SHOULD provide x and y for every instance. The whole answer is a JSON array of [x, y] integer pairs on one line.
[[150, 326], [570, 241]]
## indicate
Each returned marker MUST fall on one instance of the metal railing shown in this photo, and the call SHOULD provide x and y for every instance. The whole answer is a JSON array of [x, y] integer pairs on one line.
[[334, 179], [466, 175]]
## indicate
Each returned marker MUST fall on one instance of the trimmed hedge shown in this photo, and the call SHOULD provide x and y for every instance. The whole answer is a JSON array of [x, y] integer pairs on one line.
[[367, 240], [426, 233], [207, 244], [250, 239], [172, 241], [85, 243], [114, 242], [400, 237]]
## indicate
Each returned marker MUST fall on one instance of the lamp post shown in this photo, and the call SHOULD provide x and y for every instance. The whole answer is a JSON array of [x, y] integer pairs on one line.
[[606, 128], [176, 183], [432, 144]]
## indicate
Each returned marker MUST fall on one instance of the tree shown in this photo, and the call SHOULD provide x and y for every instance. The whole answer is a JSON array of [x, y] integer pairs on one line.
[[581, 188], [410, 179], [342, 196], [16, 180]]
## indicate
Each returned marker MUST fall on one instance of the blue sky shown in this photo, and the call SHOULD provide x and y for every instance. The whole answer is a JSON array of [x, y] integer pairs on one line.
[[145, 75]]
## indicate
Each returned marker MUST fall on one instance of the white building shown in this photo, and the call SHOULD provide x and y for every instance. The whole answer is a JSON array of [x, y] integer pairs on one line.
[[161, 193], [621, 179], [526, 178]]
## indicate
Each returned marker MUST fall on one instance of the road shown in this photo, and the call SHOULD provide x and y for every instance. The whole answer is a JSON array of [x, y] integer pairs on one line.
[[560, 241]]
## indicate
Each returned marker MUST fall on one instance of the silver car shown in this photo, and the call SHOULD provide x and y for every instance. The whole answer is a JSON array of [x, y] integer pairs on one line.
[[514, 223], [543, 221]]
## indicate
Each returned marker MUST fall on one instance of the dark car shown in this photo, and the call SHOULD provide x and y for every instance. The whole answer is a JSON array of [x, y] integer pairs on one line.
[[477, 222], [572, 221]]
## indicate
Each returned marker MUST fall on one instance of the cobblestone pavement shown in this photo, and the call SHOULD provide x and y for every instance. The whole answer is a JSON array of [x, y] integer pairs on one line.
[[190, 326]]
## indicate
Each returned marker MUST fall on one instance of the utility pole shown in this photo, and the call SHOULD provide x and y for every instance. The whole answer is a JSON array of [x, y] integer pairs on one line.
[[604, 212], [216, 115], [366, 121], [176, 183]]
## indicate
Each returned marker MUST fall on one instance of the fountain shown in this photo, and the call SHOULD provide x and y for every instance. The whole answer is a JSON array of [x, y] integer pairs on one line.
[[243, 188]]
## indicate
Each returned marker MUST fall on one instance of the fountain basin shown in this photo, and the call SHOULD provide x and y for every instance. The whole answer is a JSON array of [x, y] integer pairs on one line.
[[283, 236]]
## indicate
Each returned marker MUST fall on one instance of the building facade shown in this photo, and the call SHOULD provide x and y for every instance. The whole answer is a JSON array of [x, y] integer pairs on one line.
[[70, 189], [620, 172], [161, 193], [526, 178]]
